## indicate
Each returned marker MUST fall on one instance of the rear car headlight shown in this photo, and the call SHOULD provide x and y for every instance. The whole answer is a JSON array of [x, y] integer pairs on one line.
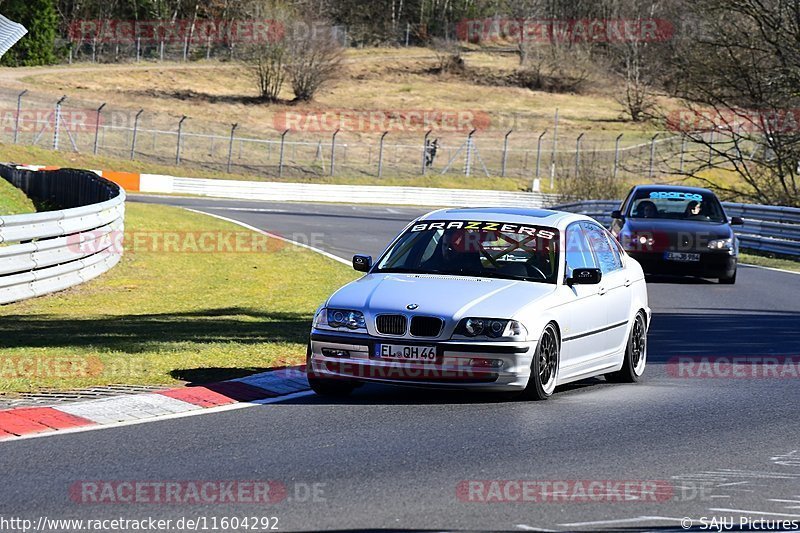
[[636, 241], [340, 318], [721, 244], [493, 328]]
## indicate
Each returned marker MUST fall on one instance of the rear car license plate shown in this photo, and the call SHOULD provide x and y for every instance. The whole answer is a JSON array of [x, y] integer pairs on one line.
[[401, 352], [682, 256]]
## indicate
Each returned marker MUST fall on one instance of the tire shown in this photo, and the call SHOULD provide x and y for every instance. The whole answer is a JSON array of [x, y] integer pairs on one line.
[[635, 354], [326, 386], [544, 368], [728, 281]]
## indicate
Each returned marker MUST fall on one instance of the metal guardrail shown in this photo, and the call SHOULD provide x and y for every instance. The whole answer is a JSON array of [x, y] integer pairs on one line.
[[50, 251], [351, 194], [766, 228]]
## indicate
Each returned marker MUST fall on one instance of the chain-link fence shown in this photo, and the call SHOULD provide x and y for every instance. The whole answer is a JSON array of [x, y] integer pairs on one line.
[[530, 153]]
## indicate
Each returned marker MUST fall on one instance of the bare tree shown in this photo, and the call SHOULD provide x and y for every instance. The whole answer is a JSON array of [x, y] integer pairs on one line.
[[448, 56], [267, 64], [556, 68], [637, 99], [315, 60], [739, 78]]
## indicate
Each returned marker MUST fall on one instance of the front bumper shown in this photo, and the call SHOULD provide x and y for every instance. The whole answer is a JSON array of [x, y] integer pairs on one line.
[[711, 264], [452, 368]]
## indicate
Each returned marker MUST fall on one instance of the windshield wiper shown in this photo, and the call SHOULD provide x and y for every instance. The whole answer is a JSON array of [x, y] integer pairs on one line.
[[398, 270], [497, 275]]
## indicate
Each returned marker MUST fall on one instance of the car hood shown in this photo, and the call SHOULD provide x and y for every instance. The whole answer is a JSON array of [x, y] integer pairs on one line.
[[438, 295]]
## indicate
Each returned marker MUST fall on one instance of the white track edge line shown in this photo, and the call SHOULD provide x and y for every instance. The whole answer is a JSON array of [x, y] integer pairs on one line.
[[771, 268], [172, 416], [272, 235]]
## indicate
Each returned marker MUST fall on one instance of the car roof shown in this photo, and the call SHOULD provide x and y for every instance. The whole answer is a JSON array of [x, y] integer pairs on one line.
[[509, 215], [677, 188]]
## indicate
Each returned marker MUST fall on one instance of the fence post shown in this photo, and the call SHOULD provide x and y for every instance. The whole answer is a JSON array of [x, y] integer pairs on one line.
[[578, 154], [505, 154], [553, 156], [230, 147], [280, 159], [138, 48], [425, 151], [380, 155], [333, 151], [468, 162], [538, 155], [97, 127], [16, 119], [135, 131], [58, 122], [161, 50], [652, 154], [180, 132], [616, 155]]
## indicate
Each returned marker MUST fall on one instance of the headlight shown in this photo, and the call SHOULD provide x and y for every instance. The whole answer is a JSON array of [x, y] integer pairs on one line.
[[491, 327], [340, 318], [721, 244], [636, 241]]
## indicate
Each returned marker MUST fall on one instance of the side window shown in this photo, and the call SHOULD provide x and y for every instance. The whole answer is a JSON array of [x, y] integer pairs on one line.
[[604, 250], [578, 253]]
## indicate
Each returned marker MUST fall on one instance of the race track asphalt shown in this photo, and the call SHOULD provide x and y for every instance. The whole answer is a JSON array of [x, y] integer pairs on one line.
[[393, 458]]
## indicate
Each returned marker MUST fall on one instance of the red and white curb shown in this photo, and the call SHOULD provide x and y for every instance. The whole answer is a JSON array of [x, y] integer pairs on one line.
[[25, 422]]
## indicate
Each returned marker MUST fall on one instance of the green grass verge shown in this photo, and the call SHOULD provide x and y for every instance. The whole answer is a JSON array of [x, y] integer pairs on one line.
[[13, 201], [169, 317], [771, 262]]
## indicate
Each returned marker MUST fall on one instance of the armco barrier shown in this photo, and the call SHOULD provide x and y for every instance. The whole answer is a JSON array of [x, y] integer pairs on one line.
[[766, 228], [321, 192], [317, 192], [50, 251]]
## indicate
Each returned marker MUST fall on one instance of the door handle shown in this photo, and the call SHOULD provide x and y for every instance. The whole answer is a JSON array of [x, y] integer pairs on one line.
[[601, 291], [627, 283]]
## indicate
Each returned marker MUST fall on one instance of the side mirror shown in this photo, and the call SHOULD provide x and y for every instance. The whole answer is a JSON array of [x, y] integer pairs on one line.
[[362, 263], [737, 221], [616, 214], [585, 276]]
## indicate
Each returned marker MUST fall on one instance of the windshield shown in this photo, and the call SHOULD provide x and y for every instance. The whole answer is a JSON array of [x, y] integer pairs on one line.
[[480, 249], [676, 205]]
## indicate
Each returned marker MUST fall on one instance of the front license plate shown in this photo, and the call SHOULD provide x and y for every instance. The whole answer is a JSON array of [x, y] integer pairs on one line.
[[406, 353], [681, 256]]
